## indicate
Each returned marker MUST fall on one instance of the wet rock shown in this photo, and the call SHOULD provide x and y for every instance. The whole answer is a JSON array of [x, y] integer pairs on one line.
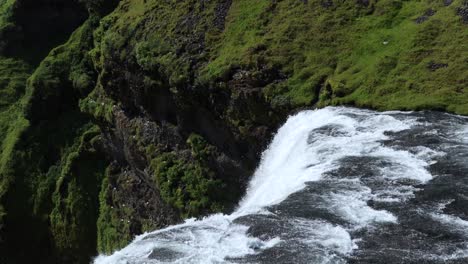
[[164, 254], [328, 130]]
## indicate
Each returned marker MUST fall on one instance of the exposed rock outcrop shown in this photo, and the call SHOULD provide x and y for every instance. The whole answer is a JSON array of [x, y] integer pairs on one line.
[[121, 117]]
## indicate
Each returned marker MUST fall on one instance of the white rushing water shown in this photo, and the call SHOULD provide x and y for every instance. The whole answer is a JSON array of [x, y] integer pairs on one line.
[[307, 147]]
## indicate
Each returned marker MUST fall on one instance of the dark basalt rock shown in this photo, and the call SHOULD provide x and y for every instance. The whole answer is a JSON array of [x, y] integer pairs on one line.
[[430, 12], [363, 2], [433, 66], [463, 12], [328, 130], [165, 254], [221, 12], [326, 3]]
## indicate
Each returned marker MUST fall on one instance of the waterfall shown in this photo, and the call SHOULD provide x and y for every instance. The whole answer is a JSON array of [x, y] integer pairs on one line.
[[331, 182]]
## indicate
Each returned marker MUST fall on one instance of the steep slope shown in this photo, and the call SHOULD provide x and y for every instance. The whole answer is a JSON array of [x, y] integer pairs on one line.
[[118, 118], [45, 139]]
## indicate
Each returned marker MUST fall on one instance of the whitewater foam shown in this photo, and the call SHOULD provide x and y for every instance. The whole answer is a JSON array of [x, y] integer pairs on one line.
[[209, 240], [290, 162], [307, 147]]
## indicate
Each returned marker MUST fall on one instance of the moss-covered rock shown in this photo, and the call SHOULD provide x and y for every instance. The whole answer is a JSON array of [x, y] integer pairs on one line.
[[181, 97], [374, 55], [30, 29], [187, 183], [75, 205], [114, 222], [44, 137]]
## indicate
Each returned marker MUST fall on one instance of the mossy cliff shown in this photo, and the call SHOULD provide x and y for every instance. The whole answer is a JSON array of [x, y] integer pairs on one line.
[[120, 117]]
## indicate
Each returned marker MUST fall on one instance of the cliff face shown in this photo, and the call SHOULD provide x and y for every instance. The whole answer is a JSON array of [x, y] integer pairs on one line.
[[118, 118]]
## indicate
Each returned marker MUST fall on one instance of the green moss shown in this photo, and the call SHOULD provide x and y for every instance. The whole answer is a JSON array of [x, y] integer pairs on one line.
[[152, 33], [372, 55], [391, 64], [65, 75], [113, 223], [39, 150], [6, 23], [15, 125], [30, 29], [188, 184], [75, 199], [375, 56], [13, 75], [185, 186], [98, 105], [243, 35], [201, 150]]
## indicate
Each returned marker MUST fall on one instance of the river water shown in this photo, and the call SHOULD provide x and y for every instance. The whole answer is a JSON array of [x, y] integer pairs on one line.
[[337, 185]]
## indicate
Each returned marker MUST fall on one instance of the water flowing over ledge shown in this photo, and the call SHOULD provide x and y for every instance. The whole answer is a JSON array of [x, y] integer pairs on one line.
[[337, 185]]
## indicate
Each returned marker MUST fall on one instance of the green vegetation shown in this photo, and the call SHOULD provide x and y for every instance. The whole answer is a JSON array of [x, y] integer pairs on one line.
[[75, 210], [113, 222], [241, 63], [13, 76], [98, 105], [390, 67], [188, 184], [6, 13], [373, 55], [50, 172], [242, 37]]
